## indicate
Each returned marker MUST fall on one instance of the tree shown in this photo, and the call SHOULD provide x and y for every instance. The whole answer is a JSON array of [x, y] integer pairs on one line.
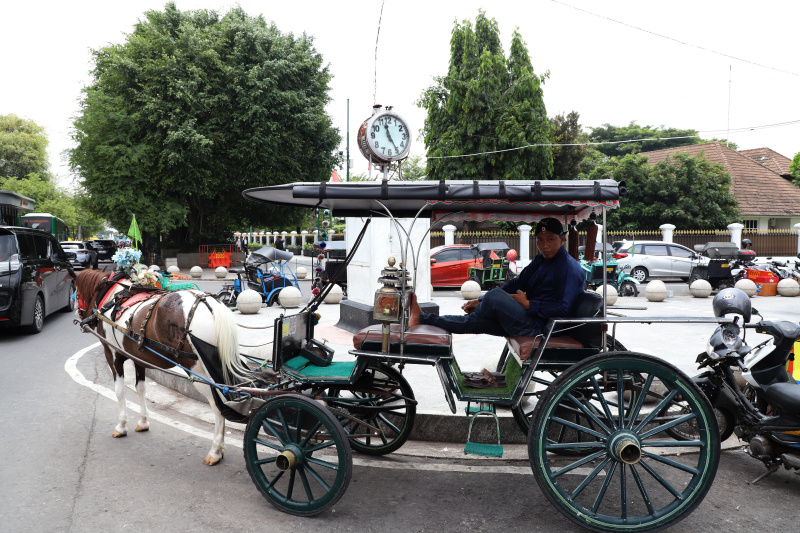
[[192, 109], [689, 192], [794, 169], [633, 132], [413, 168], [489, 105], [23, 148], [565, 130]]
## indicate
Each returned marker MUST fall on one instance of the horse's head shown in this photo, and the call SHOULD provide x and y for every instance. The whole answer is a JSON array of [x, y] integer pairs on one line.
[[87, 284]]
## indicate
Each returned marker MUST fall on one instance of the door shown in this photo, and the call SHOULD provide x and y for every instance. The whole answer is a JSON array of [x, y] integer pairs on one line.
[[682, 261], [658, 261], [446, 270], [48, 276]]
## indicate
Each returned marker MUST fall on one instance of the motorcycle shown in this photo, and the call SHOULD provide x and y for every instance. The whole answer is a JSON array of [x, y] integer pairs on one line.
[[265, 271], [762, 405]]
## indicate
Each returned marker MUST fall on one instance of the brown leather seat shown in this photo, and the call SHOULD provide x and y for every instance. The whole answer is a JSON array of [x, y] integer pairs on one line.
[[421, 334], [523, 346]]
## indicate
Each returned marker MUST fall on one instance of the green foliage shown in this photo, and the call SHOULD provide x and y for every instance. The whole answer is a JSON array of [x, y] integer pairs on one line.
[[191, 110], [567, 159], [689, 192], [413, 168], [634, 132], [794, 169], [486, 103], [23, 148]]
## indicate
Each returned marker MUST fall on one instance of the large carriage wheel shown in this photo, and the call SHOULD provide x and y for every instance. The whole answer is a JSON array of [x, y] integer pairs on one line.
[[523, 413], [377, 411], [297, 454], [624, 484]]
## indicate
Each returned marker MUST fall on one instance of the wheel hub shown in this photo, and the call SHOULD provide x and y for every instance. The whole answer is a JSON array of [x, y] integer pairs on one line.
[[624, 446], [289, 458]]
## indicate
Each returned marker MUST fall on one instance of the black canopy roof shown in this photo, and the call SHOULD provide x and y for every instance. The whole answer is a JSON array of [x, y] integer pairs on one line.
[[506, 200]]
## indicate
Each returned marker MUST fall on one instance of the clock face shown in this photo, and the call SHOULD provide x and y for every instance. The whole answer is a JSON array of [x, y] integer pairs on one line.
[[388, 137]]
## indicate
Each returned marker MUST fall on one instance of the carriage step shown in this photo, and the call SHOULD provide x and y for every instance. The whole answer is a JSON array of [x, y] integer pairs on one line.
[[487, 450]]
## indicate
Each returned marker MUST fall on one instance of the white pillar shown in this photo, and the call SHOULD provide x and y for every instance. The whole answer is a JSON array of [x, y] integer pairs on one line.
[[736, 233], [261, 238], [283, 234], [294, 239], [797, 227], [303, 238], [666, 232], [315, 235], [524, 245], [449, 234]]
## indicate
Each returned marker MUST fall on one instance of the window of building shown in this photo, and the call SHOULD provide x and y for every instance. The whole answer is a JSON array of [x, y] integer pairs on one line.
[[750, 224]]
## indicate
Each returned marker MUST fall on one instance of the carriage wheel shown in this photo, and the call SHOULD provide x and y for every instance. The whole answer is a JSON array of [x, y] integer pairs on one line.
[[624, 484], [523, 413], [297, 454], [377, 412]]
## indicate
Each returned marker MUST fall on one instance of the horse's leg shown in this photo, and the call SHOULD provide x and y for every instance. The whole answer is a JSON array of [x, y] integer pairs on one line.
[[118, 373], [218, 441], [142, 424]]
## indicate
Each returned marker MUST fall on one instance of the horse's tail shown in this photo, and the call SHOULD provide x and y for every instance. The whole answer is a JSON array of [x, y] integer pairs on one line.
[[226, 332]]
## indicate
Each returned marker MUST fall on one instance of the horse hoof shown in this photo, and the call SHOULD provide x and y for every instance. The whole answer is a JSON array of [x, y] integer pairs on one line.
[[210, 461], [118, 434], [142, 428]]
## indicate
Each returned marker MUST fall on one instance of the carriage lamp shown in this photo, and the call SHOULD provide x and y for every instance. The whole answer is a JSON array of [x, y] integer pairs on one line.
[[387, 308]]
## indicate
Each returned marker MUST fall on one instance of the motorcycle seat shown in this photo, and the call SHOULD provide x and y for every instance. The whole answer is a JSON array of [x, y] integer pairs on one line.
[[784, 395]]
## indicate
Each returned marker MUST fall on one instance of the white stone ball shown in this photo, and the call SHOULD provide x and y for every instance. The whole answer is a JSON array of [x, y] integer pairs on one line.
[[700, 288], [155, 267], [172, 269], [302, 272], [334, 296], [221, 272], [788, 287], [290, 297], [656, 291], [748, 286], [249, 302], [196, 272], [470, 290], [611, 294]]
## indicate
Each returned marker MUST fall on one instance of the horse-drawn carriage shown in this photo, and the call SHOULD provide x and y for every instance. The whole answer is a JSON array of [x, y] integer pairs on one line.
[[596, 415]]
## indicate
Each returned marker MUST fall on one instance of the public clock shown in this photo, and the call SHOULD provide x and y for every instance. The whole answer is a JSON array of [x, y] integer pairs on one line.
[[384, 137]]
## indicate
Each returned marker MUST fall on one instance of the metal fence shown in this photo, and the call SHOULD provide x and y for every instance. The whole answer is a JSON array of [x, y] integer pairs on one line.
[[765, 244]]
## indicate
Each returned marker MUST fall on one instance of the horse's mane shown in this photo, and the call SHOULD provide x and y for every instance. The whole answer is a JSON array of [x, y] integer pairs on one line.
[[87, 283]]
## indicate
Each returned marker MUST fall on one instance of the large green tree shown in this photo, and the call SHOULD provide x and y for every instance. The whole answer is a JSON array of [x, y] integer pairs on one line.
[[23, 148], [486, 104], [659, 138], [566, 133], [794, 168], [194, 108], [689, 192]]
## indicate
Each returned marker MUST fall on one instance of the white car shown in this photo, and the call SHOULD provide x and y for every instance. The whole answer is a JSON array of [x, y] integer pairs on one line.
[[85, 256], [657, 259]]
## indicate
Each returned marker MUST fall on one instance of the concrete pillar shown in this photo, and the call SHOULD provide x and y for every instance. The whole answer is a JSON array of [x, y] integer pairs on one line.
[[666, 232], [449, 234], [283, 234], [736, 233], [261, 238], [524, 245], [797, 227], [303, 238], [315, 235], [294, 239]]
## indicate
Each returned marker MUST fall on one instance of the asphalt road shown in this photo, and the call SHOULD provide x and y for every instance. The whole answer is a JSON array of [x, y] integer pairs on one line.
[[62, 471]]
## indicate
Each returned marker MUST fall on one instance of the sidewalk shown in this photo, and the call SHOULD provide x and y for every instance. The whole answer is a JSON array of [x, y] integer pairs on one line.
[[678, 344]]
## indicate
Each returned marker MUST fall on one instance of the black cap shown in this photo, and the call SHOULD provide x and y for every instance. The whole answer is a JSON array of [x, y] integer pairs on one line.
[[549, 224]]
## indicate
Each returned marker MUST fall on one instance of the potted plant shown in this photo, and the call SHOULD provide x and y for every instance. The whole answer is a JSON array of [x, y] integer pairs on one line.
[[308, 249]]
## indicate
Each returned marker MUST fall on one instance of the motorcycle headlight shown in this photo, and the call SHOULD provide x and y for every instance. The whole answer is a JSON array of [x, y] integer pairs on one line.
[[723, 341]]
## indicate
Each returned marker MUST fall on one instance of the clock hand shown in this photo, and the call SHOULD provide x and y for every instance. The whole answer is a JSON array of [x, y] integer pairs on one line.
[[389, 136]]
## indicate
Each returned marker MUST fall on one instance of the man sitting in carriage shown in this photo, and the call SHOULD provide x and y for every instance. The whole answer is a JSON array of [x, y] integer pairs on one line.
[[548, 287]]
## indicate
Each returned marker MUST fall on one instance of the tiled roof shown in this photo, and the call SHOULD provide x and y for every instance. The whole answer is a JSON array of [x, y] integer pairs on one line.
[[769, 158], [759, 190]]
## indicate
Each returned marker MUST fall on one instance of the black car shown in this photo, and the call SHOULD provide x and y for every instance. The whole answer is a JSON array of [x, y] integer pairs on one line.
[[105, 248], [36, 278]]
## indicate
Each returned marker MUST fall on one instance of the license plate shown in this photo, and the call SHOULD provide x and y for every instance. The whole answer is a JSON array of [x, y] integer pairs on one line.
[[724, 265]]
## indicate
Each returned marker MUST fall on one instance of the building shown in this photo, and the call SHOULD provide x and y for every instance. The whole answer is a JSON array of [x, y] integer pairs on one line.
[[760, 182], [12, 205]]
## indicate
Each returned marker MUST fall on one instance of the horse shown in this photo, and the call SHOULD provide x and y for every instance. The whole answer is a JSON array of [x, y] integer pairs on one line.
[[161, 329]]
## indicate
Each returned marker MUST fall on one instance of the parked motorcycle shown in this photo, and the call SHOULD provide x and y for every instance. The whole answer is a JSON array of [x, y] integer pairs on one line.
[[762, 407]]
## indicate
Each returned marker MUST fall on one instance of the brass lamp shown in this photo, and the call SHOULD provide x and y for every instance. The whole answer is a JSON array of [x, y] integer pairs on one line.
[[387, 305]]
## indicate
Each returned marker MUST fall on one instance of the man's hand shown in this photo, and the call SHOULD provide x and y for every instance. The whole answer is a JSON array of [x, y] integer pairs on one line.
[[522, 299], [470, 306]]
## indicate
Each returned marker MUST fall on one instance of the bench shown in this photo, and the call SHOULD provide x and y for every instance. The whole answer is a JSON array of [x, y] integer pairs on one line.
[[419, 340]]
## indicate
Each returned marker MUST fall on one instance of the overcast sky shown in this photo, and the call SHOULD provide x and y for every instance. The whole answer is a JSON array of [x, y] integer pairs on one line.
[[674, 70]]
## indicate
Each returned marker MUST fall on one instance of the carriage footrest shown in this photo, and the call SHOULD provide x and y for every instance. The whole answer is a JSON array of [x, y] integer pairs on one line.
[[487, 450]]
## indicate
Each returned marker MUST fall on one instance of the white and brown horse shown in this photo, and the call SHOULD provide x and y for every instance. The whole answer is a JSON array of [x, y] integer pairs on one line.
[[171, 323]]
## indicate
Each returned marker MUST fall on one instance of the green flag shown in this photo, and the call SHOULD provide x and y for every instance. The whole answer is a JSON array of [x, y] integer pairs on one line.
[[133, 233]]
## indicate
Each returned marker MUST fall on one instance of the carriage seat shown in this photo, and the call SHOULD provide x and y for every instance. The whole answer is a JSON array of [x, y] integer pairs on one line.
[[589, 305], [421, 334]]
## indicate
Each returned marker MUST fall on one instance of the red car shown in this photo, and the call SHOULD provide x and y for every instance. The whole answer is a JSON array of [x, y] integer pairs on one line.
[[450, 264]]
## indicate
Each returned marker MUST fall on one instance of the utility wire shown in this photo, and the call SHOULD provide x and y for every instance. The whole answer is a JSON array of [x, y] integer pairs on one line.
[[676, 40], [375, 90]]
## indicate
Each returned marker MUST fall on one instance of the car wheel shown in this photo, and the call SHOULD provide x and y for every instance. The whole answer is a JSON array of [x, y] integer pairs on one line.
[[38, 316], [639, 274], [70, 307]]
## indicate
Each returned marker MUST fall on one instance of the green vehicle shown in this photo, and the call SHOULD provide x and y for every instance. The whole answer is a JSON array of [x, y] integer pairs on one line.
[[492, 265]]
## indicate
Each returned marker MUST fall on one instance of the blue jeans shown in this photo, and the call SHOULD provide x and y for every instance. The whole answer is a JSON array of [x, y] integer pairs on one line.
[[496, 314]]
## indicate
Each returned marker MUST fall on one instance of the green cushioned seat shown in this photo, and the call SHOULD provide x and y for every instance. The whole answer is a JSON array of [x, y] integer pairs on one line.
[[304, 367]]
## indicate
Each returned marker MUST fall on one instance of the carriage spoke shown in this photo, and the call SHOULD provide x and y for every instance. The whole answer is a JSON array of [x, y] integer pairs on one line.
[[670, 462], [290, 489], [603, 402], [660, 407], [640, 401], [322, 463], [269, 444], [579, 427], [306, 486], [589, 445], [588, 479], [311, 433], [317, 478], [382, 418], [326, 444], [657, 477], [278, 476], [623, 491], [589, 414], [672, 444], [269, 429], [606, 482], [663, 427], [621, 400], [285, 426], [266, 460], [642, 490], [578, 463]]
